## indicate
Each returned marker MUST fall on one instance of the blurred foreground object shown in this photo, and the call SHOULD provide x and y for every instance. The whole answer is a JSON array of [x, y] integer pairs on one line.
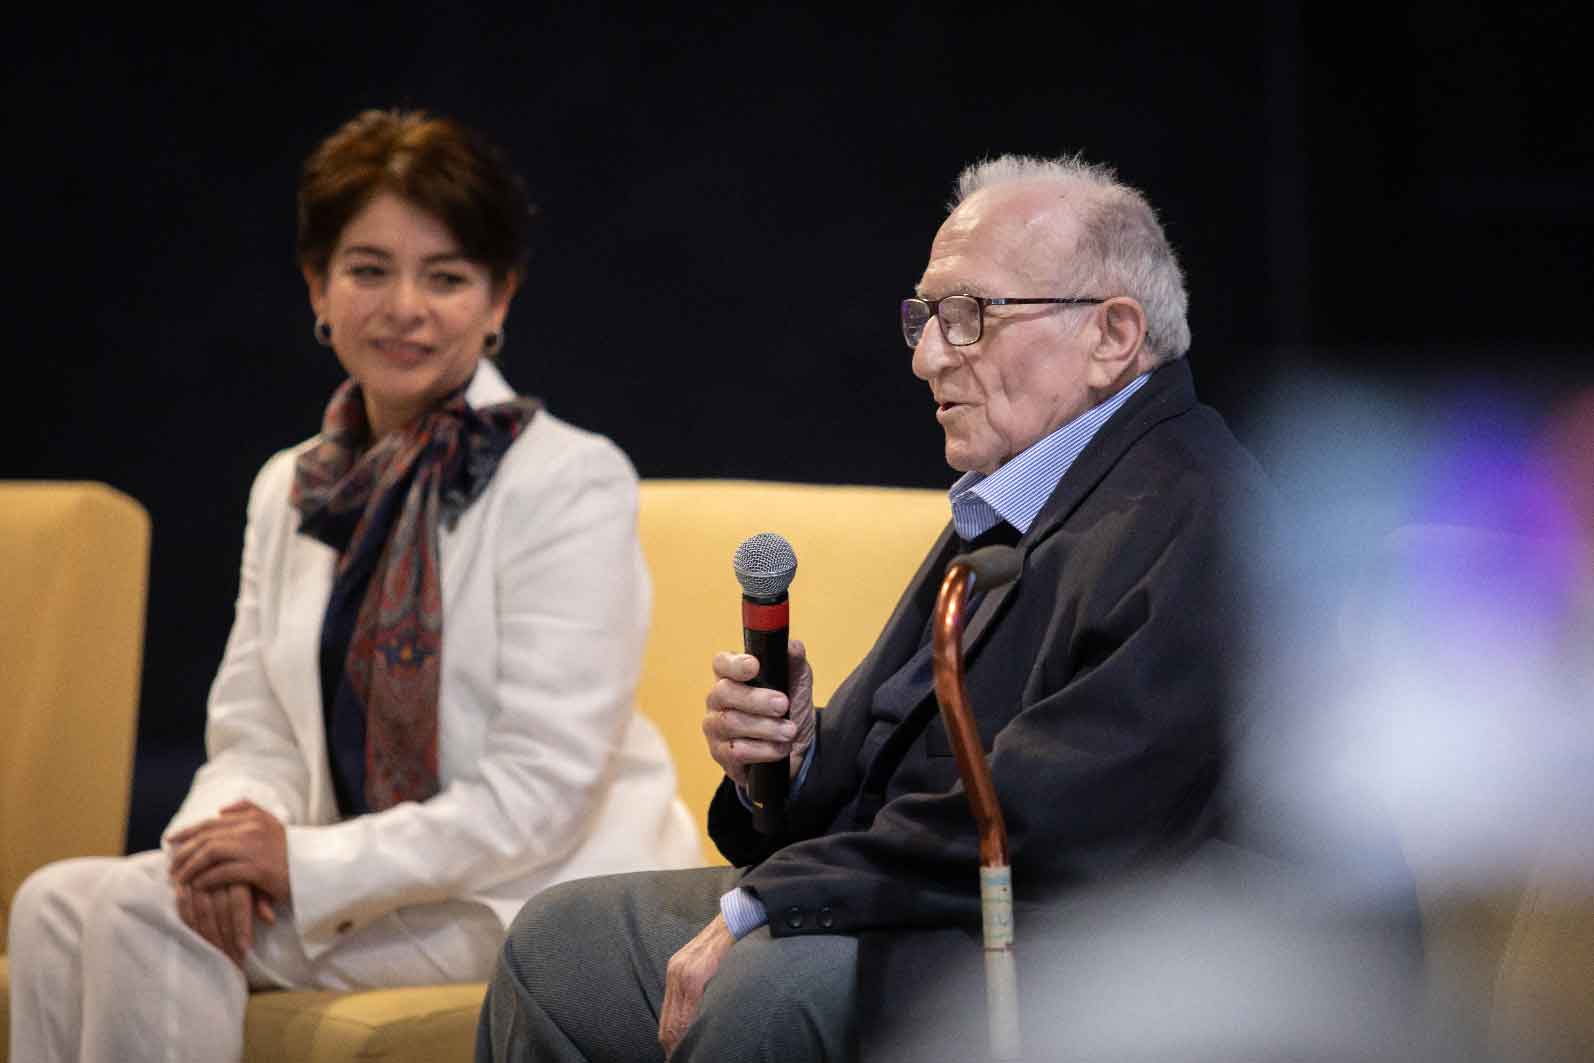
[[1450, 545], [1421, 695]]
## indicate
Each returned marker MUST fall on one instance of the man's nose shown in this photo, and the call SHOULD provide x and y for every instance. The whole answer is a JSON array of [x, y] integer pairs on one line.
[[933, 355]]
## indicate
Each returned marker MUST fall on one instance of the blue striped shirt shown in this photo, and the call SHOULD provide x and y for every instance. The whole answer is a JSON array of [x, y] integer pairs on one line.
[[1015, 492]]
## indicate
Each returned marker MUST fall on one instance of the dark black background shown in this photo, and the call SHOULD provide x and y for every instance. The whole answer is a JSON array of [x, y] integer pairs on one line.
[[733, 201]]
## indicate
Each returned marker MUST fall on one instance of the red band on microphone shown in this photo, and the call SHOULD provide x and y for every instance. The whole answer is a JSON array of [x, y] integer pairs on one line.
[[757, 617]]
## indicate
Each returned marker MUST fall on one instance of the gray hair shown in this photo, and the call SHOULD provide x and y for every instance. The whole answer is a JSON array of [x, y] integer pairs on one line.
[[1121, 247]]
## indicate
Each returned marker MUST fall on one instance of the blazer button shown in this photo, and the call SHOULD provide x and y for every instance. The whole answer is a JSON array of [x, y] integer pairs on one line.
[[827, 918], [345, 926], [794, 917]]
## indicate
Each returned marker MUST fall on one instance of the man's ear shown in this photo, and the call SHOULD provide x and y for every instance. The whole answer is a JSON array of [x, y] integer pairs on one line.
[[317, 283], [1120, 342]]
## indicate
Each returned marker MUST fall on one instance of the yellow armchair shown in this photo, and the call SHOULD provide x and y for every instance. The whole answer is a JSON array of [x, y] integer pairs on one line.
[[856, 548], [74, 563]]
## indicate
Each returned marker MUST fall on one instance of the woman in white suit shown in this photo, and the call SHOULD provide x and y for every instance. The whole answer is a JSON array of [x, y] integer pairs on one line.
[[425, 710]]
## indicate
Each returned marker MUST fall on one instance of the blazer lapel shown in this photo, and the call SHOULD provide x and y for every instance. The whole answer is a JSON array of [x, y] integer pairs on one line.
[[1168, 393], [905, 629], [980, 622], [295, 640]]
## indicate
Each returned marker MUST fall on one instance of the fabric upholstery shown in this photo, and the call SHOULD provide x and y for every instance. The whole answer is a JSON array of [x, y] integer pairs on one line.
[[74, 570], [856, 547], [74, 564], [430, 1024]]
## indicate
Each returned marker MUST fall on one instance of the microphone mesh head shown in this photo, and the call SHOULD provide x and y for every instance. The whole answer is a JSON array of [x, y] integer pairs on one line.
[[765, 565]]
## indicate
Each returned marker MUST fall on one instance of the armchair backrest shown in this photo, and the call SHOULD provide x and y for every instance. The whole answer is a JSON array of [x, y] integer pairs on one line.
[[74, 564], [856, 548]]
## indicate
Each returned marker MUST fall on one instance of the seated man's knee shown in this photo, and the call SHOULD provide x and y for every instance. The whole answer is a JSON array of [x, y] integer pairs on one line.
[[552, 922], [551, 911]]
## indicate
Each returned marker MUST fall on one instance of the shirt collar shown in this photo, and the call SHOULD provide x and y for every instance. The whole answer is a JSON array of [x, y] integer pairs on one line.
[[1017, 490]]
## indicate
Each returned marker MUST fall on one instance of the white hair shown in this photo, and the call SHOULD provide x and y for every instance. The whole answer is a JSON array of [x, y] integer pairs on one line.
[[1121, 248]]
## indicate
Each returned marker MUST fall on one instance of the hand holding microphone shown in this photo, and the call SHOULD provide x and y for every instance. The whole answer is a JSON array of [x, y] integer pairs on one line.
[[760, 717]]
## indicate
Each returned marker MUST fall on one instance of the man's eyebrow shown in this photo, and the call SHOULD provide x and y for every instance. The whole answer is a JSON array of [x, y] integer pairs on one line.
[[951, 289]]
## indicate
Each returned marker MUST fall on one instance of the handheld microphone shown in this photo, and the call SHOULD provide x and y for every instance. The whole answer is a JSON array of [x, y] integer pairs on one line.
[[764, 566]]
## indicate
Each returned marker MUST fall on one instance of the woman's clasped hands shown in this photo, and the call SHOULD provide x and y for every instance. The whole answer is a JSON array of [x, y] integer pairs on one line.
[[228, 871]]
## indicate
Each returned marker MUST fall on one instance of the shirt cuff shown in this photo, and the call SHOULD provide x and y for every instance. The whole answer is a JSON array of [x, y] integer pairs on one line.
[[743, 912]]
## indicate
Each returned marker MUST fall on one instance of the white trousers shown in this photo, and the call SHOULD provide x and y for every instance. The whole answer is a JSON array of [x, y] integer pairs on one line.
[[103, 969]]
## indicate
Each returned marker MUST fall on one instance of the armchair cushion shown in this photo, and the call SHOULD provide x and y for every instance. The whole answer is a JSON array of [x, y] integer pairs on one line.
[[423, 1024]]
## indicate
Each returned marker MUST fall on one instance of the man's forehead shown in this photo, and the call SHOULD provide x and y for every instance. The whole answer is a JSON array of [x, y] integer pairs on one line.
[[996, 238]]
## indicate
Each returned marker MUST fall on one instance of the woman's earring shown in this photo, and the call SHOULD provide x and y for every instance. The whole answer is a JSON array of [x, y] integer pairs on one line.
[[492, 341], [323, 332]]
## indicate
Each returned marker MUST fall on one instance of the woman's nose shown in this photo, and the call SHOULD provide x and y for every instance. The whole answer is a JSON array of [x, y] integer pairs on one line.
[[406, 302]]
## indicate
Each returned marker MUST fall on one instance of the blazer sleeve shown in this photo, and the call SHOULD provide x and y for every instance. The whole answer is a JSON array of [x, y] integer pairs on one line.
[[251, 750], [569, 613], [1110, 755]]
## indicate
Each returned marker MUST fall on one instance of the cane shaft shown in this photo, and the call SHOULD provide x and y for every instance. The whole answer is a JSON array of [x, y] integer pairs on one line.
[[947, 648], [996, 880]]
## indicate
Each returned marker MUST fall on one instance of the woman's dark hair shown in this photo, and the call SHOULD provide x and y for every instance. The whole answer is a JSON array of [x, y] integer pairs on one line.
[[435, 164]]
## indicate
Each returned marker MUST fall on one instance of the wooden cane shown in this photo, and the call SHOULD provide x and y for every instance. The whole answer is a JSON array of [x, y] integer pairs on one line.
[[987, 569]]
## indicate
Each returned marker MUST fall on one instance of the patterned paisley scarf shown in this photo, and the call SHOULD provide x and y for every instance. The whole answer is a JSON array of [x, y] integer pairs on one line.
[[381, 507]]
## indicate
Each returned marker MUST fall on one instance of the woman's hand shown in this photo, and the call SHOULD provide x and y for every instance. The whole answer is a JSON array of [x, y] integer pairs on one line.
[[748, 725], [245, 844], [225, 916]]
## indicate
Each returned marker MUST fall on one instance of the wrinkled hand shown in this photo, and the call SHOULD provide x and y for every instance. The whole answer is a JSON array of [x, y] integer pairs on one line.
[[687, 976], [225, 916], [744, 724], [244, 844]]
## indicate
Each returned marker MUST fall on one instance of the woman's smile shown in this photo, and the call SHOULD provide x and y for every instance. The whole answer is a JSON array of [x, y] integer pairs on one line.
[[403, 352]]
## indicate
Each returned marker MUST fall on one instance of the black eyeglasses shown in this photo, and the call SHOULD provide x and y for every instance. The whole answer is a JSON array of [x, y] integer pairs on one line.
[[962, 316]]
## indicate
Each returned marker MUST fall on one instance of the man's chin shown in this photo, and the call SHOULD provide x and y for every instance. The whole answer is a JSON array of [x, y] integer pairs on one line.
[[962, 461]]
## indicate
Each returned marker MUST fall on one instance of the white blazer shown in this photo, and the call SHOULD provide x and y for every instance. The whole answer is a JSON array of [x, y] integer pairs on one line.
[[548, 772]]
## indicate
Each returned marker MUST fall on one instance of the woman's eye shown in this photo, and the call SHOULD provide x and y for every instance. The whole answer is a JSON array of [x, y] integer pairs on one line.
[[365, 271], [448, 281]]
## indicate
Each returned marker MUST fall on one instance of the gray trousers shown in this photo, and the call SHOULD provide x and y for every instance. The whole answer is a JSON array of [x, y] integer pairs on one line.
[[581, 979]]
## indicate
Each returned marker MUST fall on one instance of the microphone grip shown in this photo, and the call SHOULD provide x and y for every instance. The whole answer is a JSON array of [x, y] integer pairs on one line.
[[764, 636]]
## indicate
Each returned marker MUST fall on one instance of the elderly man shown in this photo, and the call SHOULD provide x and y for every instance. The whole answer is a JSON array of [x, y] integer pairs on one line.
[[1050, 327]]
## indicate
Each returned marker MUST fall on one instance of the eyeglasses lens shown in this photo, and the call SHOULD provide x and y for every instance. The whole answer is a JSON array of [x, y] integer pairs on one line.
[[915, 315], [960, 319]]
